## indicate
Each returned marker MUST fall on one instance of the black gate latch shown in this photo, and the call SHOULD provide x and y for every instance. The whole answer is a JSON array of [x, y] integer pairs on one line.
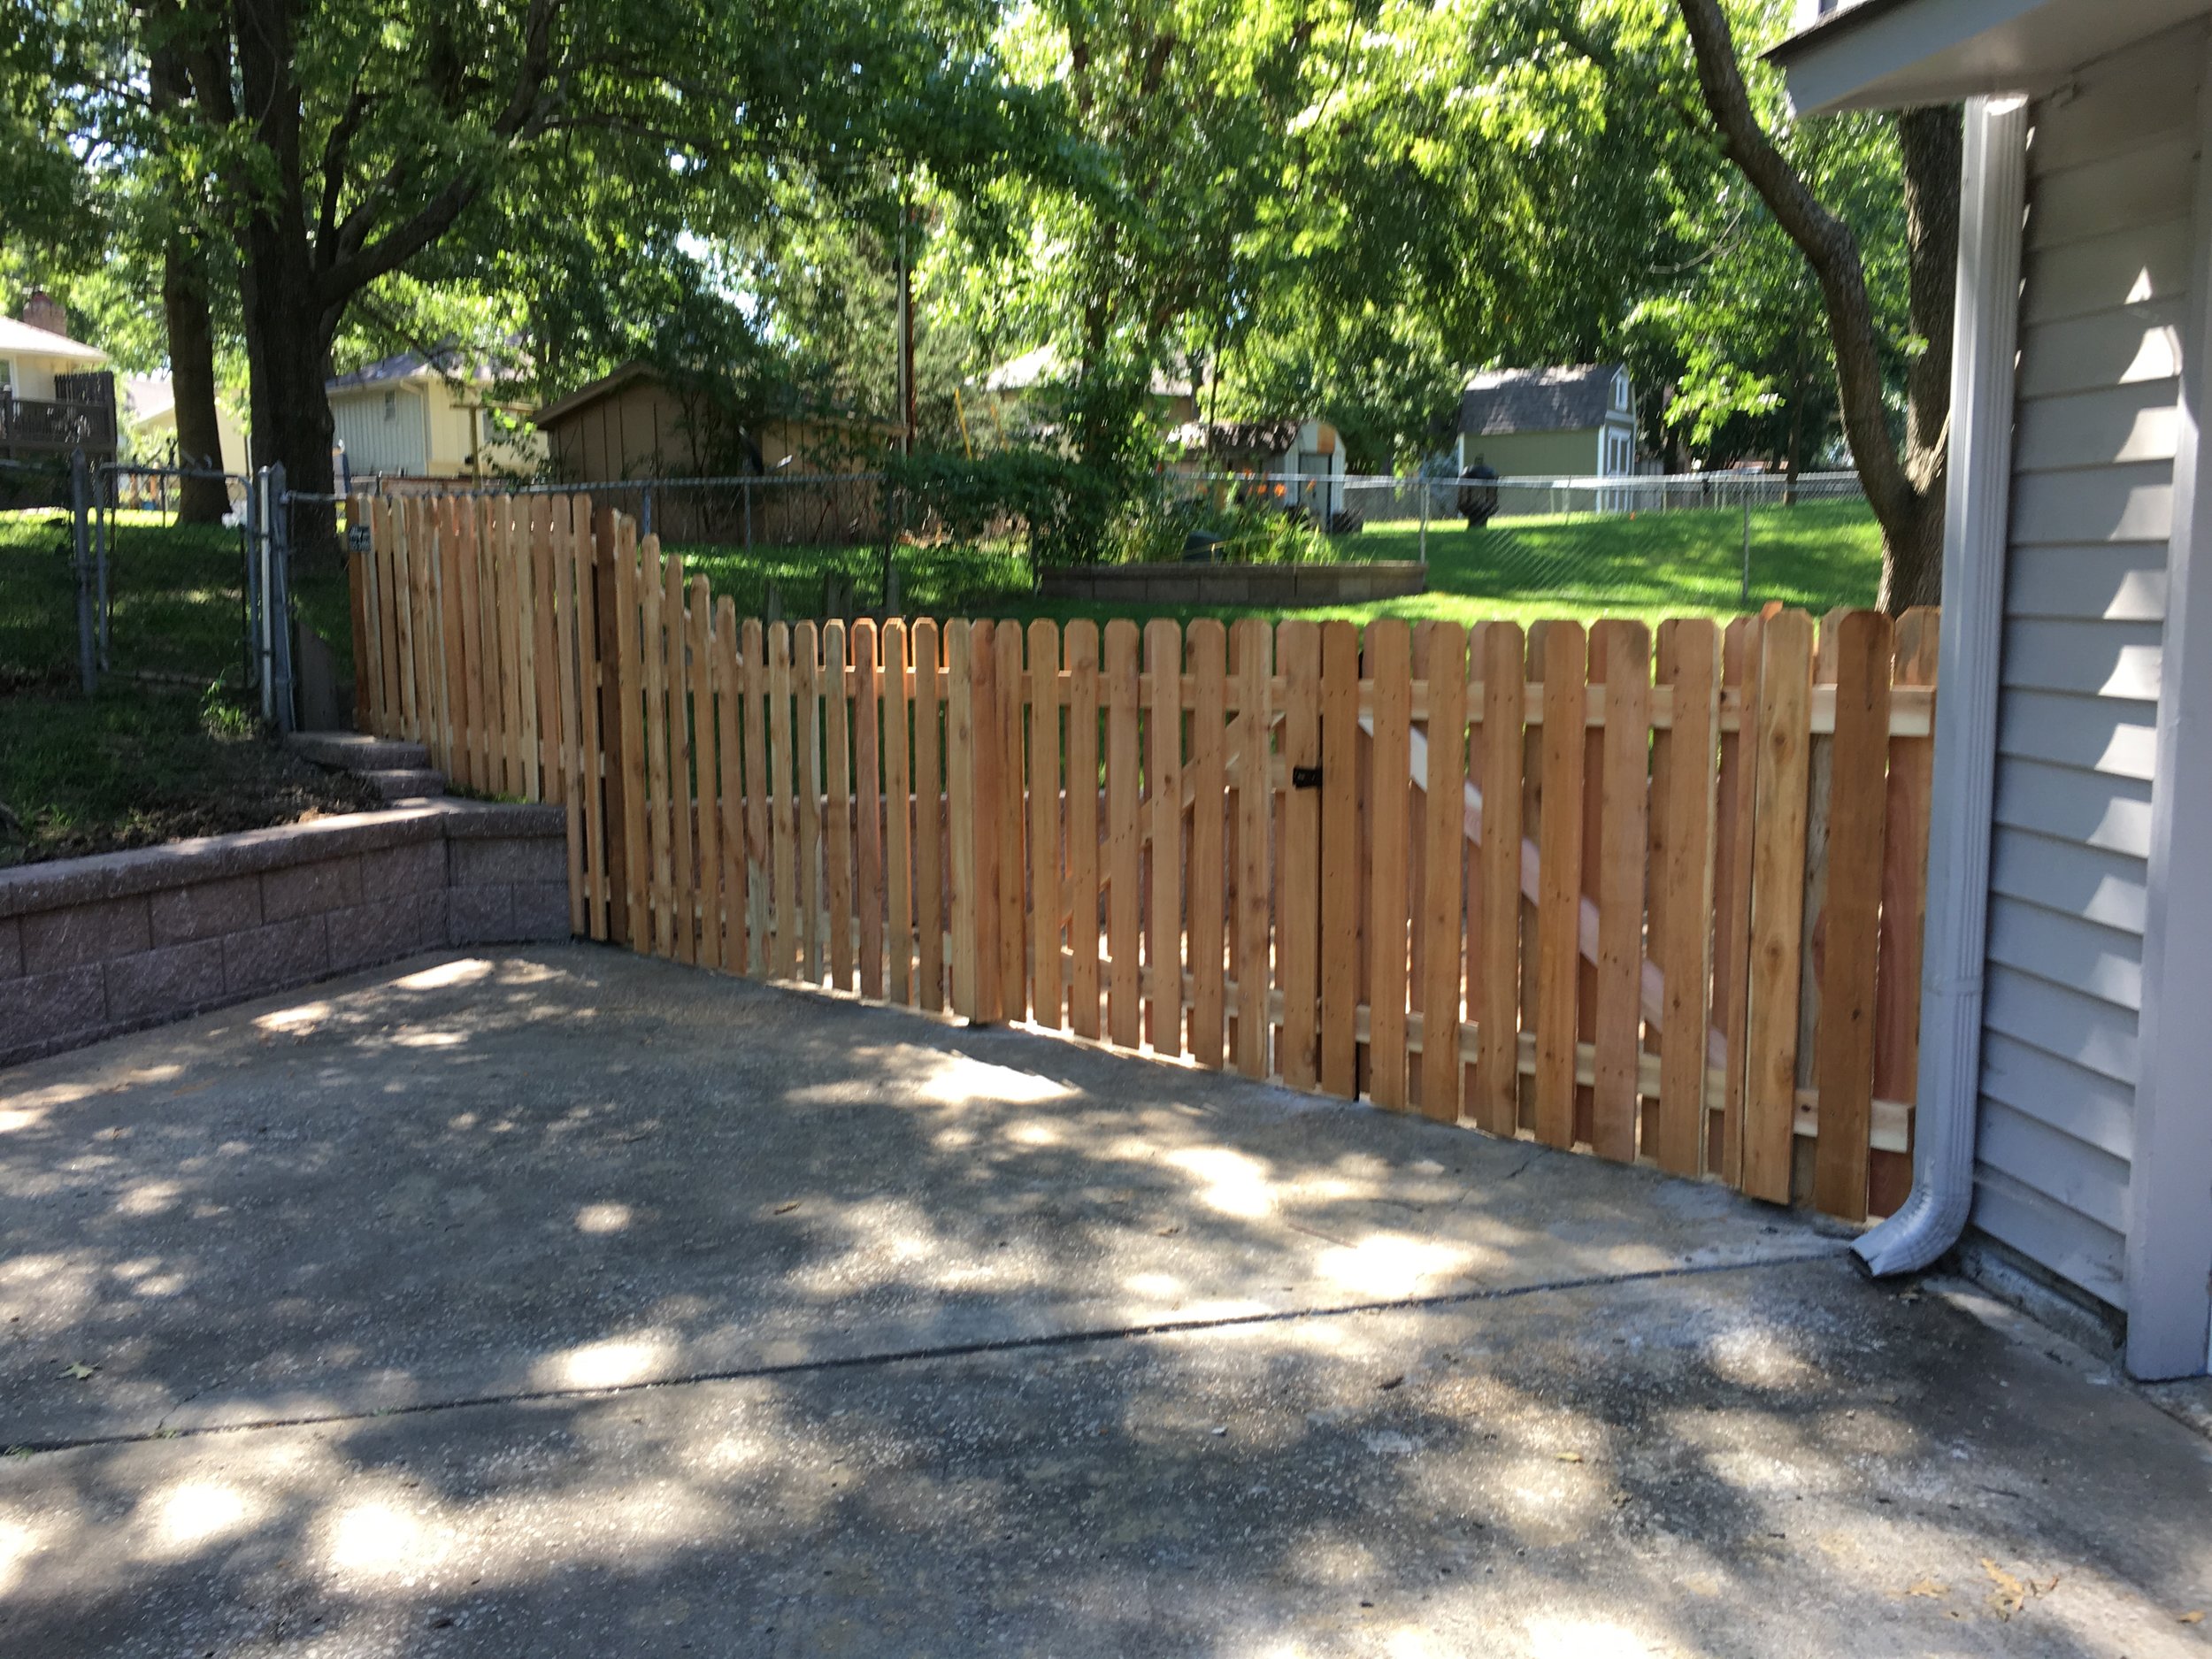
[[1305, 777]]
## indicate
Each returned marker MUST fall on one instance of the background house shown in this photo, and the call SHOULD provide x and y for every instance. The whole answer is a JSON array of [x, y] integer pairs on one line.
[[56, 393], [415, 416], [2065, 1051], [1292, 463], [1550, 423], [1013, 394], [149, 421]]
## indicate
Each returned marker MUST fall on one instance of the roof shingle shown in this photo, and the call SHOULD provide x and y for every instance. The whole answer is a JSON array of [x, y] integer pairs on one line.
[[1501, 401]]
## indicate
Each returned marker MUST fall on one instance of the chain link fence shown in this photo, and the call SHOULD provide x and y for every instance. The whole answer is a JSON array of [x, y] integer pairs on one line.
[[1723, 541], [797, 544], [108, 582]]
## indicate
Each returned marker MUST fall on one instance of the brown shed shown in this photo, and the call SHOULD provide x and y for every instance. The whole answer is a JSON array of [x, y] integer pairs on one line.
[[634, 424]]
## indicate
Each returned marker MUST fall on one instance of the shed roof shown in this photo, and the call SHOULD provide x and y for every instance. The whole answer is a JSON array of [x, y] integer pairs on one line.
[[1573, 399], [585, 396], [1227, 437], [793, 406]]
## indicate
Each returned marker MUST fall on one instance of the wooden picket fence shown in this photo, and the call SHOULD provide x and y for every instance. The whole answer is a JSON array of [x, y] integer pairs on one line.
[[1662, 903]]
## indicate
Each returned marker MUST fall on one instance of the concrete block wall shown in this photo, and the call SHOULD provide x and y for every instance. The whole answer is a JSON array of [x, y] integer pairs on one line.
[[91, 947]]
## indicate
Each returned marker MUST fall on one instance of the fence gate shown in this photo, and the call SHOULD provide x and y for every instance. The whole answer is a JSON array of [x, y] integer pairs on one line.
[[1658, 896]]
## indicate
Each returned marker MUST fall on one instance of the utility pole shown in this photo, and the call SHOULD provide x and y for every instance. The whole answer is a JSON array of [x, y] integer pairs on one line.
[[907, 399]]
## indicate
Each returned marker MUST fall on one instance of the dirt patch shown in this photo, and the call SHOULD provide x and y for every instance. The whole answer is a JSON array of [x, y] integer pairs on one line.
[[141, 764]]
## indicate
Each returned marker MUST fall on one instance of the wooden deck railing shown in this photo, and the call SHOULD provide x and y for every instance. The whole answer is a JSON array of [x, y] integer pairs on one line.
[[1662, 894]]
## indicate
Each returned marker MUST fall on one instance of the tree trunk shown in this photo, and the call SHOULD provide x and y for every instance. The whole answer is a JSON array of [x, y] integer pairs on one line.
[[1912, 566], [1905, 491], [1796, 460], [289, 328], [191, 334], [192, 381], [1930, 143]]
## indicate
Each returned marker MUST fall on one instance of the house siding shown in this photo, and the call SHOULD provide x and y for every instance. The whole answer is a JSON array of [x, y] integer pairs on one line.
[[1566, 454], [2105, 271], [399, 445]]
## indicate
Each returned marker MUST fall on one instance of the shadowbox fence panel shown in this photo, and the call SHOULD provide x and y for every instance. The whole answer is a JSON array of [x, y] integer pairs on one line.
[[1656, 895]]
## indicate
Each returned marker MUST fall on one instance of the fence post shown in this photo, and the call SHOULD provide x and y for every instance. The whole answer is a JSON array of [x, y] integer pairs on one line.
[[100, 557], [1424, 518], [260, 600], [612, 619], [278, 609], [80, 504], [358, 602], [251, 548], [1746, 544]]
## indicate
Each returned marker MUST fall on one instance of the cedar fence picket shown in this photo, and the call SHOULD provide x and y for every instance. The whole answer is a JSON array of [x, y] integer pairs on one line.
[[1653, 893]]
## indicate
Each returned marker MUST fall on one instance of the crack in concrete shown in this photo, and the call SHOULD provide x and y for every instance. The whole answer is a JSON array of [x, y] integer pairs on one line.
[[951, 1350]]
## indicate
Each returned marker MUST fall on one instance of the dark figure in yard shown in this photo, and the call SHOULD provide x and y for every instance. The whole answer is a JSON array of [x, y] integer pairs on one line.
[[1478, 495]]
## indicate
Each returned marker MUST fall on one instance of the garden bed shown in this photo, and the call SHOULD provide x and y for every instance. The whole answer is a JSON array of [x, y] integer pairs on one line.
[[1264, 585], [144, 762]]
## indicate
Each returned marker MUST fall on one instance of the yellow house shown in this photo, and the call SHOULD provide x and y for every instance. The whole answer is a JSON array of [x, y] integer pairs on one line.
[[1575, 422], [416, 417], [149, 410]]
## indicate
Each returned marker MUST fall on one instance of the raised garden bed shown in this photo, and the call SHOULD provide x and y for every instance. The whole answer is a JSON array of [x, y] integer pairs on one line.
[[1283, 586]]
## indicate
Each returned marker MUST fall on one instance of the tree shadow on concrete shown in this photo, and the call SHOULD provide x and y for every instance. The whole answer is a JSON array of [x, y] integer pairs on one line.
[[570, 1185]]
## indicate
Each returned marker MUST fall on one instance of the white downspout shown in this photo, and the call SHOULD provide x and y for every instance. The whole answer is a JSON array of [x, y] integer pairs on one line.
[[1991, 197]]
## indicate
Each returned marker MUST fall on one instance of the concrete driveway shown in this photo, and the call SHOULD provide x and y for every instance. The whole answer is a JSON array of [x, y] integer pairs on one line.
[[564, 1302]]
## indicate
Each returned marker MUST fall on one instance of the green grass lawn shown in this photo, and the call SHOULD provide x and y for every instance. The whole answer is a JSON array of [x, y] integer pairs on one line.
[[1816, 556], [174, 592], [167, 748], [140, 764]]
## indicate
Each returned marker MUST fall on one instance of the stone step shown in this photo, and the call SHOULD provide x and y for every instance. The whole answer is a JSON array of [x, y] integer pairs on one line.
[[356, 751], [405, 783]]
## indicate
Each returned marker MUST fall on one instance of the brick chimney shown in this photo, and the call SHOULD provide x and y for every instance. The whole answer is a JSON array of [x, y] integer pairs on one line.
[[44, 311]]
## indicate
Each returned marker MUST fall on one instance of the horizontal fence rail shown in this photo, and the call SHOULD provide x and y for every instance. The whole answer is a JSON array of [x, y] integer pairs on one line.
[[1656, 893]]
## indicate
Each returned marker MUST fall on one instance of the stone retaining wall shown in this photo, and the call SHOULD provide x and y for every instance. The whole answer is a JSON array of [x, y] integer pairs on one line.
[[1281, 586], [90, 948]]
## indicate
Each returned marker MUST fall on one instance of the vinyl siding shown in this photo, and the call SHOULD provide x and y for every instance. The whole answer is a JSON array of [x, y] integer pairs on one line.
[[2112, 172], [397, 445], [1571, 454]]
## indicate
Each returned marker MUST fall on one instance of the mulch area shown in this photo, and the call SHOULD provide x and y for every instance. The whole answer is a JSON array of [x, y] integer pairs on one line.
[[141, 764]]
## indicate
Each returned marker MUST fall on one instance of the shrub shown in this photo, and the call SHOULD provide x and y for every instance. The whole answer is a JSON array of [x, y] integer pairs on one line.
[[1058, 508]]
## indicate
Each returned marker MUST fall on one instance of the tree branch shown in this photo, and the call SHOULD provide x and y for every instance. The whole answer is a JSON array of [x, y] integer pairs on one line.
[[336, 150], [1831, 250], [527, 112]]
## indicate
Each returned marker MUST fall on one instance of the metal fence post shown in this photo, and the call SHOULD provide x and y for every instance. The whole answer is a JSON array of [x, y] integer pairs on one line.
[[245, 583], [80, 502], [1424, 516], [1746, 544], [258, 587], [106, 531], [280, 605]]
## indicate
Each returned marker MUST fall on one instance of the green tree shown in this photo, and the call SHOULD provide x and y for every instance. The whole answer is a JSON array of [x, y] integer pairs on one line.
[[1882, 353], [343, 144]]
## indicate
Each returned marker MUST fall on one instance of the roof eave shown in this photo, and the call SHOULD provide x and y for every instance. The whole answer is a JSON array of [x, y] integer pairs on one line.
[[589, 393], [1896, 54]]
